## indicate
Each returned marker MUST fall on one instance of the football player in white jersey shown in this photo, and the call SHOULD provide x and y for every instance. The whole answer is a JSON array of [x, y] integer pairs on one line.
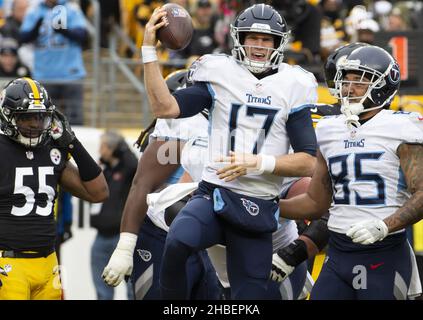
[[140, 255], [314, 236], [286, 259], [257, 105], [368, 176]]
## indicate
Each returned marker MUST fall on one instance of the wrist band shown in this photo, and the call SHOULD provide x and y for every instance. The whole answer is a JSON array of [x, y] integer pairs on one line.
[[127, 240], [268, 163], [318, 232], [148, 54], [295, 253]]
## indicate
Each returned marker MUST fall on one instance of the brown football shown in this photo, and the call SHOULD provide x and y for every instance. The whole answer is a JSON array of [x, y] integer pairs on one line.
[[298, 187], [178, 33]]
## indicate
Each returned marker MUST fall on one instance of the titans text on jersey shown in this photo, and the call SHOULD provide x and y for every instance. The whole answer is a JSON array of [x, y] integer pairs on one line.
[[259, 107], [364, 165]]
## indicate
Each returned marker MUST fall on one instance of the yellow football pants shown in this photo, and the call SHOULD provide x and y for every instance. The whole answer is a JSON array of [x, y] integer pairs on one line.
[[30, 278]]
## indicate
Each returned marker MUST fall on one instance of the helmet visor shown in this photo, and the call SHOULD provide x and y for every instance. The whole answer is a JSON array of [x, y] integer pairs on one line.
[[258, 59], [356, 85], [32, 124]]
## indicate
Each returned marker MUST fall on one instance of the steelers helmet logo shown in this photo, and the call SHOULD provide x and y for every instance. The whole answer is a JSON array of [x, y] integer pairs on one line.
[[55, 156]]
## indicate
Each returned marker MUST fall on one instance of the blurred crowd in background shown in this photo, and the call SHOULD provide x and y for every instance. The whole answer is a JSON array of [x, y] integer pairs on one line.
[[318, 26], [38, 43]]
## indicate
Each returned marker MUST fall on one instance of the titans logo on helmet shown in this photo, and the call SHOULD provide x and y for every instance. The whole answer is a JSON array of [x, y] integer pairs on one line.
[[394, 74]]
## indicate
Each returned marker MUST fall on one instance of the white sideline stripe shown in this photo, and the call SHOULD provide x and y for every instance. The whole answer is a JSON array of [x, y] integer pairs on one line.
[[286, 290], [144, 283], [400, 287]]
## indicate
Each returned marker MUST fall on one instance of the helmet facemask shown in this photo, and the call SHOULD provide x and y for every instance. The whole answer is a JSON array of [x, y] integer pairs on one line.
[[352, 105], [333, 61], [26, 112], [30, 128], [32, 135], [274, 56], [333, 90]]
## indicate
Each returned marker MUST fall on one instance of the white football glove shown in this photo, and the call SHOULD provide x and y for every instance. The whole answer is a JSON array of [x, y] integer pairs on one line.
[[368, 232], [280, 270], [120, 263]]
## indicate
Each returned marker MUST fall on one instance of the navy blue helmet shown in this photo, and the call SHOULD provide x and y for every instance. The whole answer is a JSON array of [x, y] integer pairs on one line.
[[332, 61], [177, 80], [259, 18], [378, 69]]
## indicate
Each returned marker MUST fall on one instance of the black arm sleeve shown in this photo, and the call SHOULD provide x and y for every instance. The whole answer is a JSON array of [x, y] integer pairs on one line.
[[318, 231], [194, 99], [301, 133], [88, 168]]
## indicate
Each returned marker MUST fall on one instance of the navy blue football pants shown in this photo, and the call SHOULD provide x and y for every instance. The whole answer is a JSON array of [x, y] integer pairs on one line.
[[380, 271], [202, 281], [196, 227]]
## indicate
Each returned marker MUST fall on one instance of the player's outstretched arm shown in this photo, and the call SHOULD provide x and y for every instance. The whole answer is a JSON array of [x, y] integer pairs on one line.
[[151, 174], [316, 201], [162, 103], [411, 159], [299, 164]]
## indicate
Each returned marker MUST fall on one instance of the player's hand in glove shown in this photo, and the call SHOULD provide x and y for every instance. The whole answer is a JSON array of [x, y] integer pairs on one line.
[[280, 270], [120, 263], [61, 130], [368, 232], [285, 260]]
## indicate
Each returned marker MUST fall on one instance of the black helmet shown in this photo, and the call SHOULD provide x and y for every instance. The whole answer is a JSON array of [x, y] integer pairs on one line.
[[260, 18], [21, 100], [332, 61], [177, 80], [382, 72]]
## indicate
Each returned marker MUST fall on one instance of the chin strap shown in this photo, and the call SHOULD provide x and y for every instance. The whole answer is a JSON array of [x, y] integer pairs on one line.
[[352, 121], [351, 112]]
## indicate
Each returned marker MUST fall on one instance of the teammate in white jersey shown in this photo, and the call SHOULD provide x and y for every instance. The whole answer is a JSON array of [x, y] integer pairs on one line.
[[314, 235], [286, 259], [139, 254], [257, 105], [367, 173]]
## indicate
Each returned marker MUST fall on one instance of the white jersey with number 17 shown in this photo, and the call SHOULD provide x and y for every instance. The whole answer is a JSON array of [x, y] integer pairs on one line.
[[249, 115]]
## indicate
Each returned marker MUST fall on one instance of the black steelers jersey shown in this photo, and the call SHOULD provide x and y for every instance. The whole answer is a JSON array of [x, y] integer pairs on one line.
[[319, 111], [28, 189]]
